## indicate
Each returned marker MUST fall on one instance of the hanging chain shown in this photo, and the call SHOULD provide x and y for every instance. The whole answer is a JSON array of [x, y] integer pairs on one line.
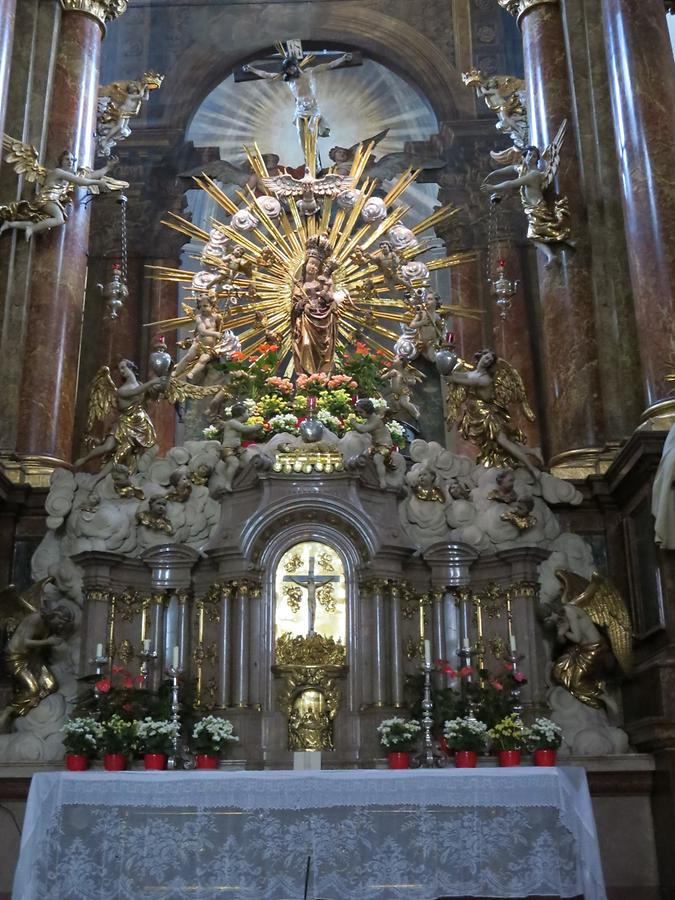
[[123, 237]]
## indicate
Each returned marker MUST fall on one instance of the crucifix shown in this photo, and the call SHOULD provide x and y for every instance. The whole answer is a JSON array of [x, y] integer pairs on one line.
[[310, 582], [298, 71]]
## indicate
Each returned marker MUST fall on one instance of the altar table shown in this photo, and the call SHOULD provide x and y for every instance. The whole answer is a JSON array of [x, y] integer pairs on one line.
[[371, 835]]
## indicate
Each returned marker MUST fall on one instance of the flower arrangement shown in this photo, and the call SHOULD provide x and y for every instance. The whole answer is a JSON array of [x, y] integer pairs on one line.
[[397, 432], [312, 385], [466, 733], [285, 422], [118, 735], [398, 735], [544, 735], [212, 734], [156, 735], [363, 367], [82, 735], [509, 734], [211, 433]]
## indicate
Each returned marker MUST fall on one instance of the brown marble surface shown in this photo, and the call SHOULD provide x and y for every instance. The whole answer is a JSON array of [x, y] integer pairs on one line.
[[642, 87], [49, 381], [7, 16], [569, 352]]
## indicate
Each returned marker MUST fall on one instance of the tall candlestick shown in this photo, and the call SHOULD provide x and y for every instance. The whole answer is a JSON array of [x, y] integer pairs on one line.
[[146, 645], [466, 645], [513, 643], [175, 657], [427, 652], [99, 650]]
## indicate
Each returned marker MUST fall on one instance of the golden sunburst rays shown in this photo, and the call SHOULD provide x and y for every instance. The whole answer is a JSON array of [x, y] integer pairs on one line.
[[256, 303]]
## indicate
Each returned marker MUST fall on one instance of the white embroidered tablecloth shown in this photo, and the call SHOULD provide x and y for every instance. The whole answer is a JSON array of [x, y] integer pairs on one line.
[[371, 835]]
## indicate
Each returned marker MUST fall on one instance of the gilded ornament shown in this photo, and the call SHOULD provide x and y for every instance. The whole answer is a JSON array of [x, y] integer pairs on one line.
[[119, 102], [102, 10], [506, 96], [309, 650]]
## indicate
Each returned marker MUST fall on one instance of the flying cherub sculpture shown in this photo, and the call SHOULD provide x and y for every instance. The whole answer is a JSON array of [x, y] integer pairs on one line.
[[54, 188], [506, 96], [133, 432], [117, 104], [308, 188], [31, 632], [595, 627], [547, 213], [485, 393]]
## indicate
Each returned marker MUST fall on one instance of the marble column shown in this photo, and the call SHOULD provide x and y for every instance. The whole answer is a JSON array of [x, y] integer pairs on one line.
[[241, 678], [572, 396], [49, 378], [379, 639], [642, 88], [225, 647], [397, 674], [7, 16]]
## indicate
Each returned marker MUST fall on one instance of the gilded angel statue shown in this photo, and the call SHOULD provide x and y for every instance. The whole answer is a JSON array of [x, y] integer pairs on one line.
[[54, 188], [547, 213], [117, 104], [485, 392], [31, 632], [133, 433], [506, 96], [308, 188], [596, 628]]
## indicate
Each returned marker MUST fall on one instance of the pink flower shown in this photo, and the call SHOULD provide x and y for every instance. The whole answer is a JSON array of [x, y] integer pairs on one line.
[[117, 669], [519, 677], [465, 671], [448, 670], [103, 685], [441, 663], [140, 680], [128, 682], [497, 685], [508, 666]]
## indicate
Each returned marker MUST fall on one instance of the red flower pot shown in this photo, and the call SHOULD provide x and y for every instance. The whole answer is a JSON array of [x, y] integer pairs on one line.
[[114, 762], [466, 759], [544, 757], [508, 758], [77, 762], [155, 760], [398, 760], [206, 761]]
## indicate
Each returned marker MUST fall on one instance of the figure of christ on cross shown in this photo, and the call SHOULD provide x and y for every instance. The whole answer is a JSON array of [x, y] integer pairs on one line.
[[310, 582]]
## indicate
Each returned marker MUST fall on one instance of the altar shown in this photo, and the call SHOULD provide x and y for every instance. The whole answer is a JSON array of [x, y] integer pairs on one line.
[[380, 835]]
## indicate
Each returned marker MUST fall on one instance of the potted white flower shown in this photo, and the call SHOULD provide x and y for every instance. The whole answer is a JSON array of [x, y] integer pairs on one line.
[[467, 737], [210, 738], [81, 737], [398, 737], [544, 739], [155, 739]]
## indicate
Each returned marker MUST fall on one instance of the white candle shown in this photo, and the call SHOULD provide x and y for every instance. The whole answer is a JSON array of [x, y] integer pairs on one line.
[[146, 645], [513, 644], [99, 651], [427, 652], [465, 644], [175, 657]]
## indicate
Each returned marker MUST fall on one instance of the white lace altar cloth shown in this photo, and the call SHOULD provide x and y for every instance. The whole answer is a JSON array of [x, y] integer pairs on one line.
[[371, 835]]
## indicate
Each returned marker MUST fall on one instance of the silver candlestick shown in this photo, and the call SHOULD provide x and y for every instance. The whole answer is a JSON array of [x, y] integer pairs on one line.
[[428, 758], [516, 688], [465, 654], [147, 657], [100, 662], [175, 760]]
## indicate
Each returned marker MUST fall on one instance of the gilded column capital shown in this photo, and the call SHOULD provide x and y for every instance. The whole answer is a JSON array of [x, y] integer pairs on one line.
[[101, 10], [519, 8]]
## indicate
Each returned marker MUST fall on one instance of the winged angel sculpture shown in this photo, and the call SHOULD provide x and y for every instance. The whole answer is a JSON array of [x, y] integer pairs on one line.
[[31, 632], [547, 213], [308, 189], [54, 186], [133, 433], [119, 102], [485, 392], [595, 626]]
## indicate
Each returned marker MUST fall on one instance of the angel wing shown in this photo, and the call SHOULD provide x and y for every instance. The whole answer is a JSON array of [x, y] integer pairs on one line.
[[223, 171], [14, 606], [179, 391], [457, 393], [601, 600], [114, 184], [394, 164], [374, 140], [509, 388], [551, 155], [102, 398], [512, 156], [331, 185], [509, 84], [285, 186], [24, 159]]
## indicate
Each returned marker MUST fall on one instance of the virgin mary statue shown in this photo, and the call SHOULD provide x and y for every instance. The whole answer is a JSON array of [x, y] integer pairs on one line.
[[315, 310]]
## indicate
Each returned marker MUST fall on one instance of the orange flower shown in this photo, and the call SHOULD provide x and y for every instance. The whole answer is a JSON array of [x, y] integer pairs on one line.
[[360, 347], [465, 671], [103, 685]]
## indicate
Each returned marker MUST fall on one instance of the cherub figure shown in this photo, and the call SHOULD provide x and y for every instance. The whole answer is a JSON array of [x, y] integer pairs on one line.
[[485, 393], [382, 445], [234, 430], [207, 341], [520, 514], [399, 379], [506, 96], [302, 85], [595, 625], [155, 517], [547, 214], [117, 104], [121, 479], [427, 324], [54, 188], [181, 485], [31, 636], [235, 263], [504, 492], [386, 260]]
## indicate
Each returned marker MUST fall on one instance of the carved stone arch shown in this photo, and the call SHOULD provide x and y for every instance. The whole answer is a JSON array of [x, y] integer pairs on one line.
[[390, 41]]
